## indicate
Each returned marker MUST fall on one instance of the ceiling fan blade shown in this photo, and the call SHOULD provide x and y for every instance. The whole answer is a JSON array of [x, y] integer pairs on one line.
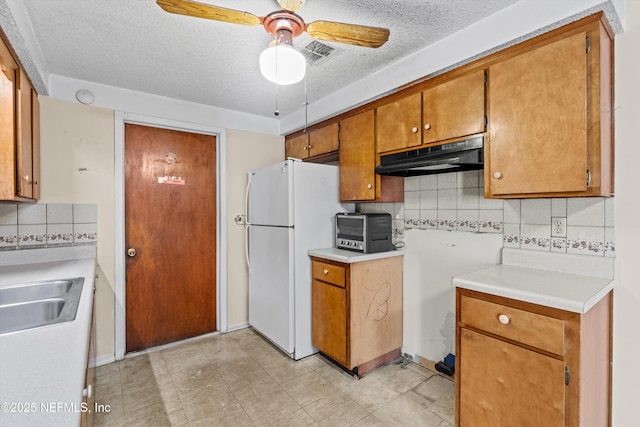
[[207, 11], [291, 5], [358, 35]]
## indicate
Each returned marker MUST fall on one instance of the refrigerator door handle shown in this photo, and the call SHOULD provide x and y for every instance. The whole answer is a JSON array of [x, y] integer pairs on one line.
[[246, 247], [246, 199]]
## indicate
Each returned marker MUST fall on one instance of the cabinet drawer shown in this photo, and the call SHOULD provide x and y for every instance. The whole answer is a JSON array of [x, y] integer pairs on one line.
[[543, 332], [329, 273]]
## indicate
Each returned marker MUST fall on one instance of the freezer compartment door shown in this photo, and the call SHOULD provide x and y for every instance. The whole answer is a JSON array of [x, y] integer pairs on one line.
[[271, 309], [271, 195]]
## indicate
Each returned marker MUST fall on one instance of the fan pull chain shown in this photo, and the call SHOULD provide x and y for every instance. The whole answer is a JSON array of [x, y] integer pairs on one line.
[[306, 104], [276, 113]]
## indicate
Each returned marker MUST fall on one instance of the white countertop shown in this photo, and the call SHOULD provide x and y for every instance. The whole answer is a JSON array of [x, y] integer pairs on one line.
[[566, 291], [42, 370], [342, 255]]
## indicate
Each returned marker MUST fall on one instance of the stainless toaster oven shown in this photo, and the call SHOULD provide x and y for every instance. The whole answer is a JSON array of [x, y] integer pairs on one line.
[[364, 232]]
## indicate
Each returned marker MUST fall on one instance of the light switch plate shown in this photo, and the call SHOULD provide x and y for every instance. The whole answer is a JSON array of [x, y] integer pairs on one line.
[[558, 227]]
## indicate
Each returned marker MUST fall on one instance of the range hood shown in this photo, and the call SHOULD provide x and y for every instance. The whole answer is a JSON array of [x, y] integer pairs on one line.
[[450, 157]]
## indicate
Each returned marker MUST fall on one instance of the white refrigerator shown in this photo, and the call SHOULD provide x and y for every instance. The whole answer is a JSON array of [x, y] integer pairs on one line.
[[291, 209]]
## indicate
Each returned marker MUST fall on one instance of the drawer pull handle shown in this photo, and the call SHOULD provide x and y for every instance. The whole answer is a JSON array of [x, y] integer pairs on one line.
[[504, 319], [325, 271]]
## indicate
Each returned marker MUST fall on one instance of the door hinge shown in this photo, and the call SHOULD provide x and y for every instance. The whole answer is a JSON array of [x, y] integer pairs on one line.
[[567, 375], [486, 122], [588, 177], [338, 135], [588, 44], [485, 77]]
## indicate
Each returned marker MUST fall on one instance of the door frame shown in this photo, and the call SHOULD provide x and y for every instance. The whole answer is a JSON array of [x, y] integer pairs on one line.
[[221, 217]]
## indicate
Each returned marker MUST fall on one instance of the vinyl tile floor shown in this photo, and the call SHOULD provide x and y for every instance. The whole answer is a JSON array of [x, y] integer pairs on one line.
[[240, 379]]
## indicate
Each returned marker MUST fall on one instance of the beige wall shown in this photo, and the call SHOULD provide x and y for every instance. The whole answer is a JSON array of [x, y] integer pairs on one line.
[[77, 155], [78, 167], [626, 340], [245, 151]]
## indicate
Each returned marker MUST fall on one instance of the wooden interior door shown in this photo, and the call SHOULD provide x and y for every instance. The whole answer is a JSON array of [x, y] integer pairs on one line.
[[170, 220]]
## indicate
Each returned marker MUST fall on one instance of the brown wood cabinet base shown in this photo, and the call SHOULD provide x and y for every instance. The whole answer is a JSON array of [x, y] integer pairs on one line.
[[361, 370], [357, 311], [519, 363]]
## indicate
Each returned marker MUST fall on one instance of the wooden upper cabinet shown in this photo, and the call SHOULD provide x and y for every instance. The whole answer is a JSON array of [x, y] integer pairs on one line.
[[314, 143], [24, 144], [358, 180], [398, 124], [19, 132], [297, 146], [550, 119], [538, 104], [357, 158], [323, 140], [8, 81], [454, 109], [448, 110], [35, 135]]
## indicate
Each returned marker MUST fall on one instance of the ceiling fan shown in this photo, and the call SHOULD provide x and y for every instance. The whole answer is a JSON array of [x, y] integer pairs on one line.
[[284, 25]]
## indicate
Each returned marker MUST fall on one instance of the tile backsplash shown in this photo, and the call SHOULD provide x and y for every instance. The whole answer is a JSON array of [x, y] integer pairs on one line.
[[46, 225], [455, 201]]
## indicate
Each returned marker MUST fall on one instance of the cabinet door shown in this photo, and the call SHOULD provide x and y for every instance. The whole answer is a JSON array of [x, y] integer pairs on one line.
[[537, 121], [297, 147], [7, 123], [25, 138], [502, 384], [329, 320], [375, 301], [454, 109], [398, 124], [357, 158], [35, 117], [323, 140]]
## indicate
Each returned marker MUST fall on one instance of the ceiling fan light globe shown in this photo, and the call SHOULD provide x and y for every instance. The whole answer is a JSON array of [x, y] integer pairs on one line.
[[282, 64]]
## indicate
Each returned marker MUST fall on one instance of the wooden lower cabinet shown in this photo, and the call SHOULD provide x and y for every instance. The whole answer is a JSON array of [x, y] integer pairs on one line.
[[357, 311], [521, 364]]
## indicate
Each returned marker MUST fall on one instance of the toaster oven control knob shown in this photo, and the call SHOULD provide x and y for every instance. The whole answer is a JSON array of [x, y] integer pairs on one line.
[[497, 175]]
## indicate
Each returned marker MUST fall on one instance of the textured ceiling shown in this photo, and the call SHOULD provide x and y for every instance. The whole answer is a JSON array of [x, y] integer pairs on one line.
[[134, 44]]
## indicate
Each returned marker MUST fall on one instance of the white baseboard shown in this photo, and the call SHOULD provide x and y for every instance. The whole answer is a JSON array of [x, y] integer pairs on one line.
[[105, 360]]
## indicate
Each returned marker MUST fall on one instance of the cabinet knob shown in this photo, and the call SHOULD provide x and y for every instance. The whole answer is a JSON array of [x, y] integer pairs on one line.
[[310, 146], [27, 180], [304, 148], [369, 186], [427, 126], [414, 130], [325, 271], [497, 175], [504, 319]]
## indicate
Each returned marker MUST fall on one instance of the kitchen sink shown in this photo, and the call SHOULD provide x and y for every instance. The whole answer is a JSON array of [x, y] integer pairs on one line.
[[36, 304]]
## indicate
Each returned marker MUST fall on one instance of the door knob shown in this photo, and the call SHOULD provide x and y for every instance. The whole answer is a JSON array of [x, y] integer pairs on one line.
[[131, 252]]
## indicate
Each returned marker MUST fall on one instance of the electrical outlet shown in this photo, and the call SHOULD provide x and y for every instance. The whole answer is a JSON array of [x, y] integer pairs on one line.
[[558, 227], [239, 219]]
